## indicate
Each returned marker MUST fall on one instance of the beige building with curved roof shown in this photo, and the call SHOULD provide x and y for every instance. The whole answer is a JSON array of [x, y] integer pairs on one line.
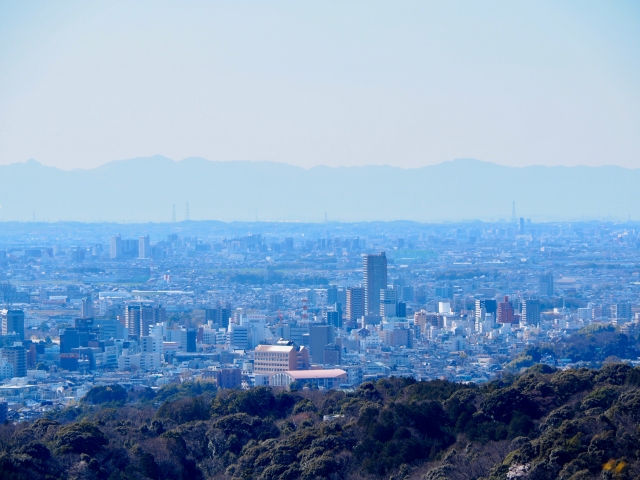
[[321, 378]]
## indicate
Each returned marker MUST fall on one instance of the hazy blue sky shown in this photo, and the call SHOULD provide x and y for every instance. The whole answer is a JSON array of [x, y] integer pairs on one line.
[[308, 83]]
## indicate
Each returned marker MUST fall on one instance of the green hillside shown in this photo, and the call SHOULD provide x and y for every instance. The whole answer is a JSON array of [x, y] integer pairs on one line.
[[541, 424]]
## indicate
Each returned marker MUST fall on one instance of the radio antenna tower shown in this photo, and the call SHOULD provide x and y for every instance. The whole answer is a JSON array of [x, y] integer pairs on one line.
[[186, 213], [173, 218]]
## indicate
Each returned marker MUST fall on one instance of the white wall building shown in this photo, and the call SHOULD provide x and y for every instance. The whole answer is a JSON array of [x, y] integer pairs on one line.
[[139, 361]]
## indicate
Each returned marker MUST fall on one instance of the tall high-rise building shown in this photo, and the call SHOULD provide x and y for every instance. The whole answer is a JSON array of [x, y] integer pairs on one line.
[[191, 340], [294, 333], [388, 300], [420, 294], [484, 306], [172, 239], [78, 336], [144, 247], [312, 296], [332, 354], [13, 322], [225, 315], [16, 356], [621, 312], [375, 279], [545, 285], [445, 291], [319, 337], [505, 311], [152, 345], [132, 319], [355, 303], [288, 244], [530, 311], [115, 252], [342, 298], [332, 295], [219, 316], [424, 320], [401, 310], [585, 314], [149, 316], [334, 317], [130, 248], [87, 307], [275, 301], [407, 294], [238, 336]]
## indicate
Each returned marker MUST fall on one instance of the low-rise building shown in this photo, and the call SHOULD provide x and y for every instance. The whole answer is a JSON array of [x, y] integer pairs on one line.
[[318, 378]]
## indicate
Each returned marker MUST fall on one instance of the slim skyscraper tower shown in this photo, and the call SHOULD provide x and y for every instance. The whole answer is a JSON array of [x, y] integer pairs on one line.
[[319, 337], [530, 312], [115, 251], [505, 311], [149, 316], [13, 322], [375, 279], [87, 307], [132, 315], [355, 303], [545, 285], [144, 247], [332, 295], [484, 306], [388, 302]]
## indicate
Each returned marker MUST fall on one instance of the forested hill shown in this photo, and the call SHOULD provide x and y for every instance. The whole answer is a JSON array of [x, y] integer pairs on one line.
[[542, 424]]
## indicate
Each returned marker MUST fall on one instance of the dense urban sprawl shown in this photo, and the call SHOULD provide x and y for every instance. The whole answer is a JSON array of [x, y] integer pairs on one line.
[[291, 305]]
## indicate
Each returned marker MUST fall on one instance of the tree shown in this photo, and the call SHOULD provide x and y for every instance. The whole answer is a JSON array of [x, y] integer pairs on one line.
[[82, 437], [106, 394], [184, 410]]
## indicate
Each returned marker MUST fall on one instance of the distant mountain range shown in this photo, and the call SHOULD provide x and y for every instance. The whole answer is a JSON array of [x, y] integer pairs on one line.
[[145, 190]]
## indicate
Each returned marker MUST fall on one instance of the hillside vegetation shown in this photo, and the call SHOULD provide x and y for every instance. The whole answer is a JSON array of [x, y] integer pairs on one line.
[[542, 424]]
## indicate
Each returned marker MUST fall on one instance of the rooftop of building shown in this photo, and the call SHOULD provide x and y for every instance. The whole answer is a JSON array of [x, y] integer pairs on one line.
[[315, 374], [275, 348]]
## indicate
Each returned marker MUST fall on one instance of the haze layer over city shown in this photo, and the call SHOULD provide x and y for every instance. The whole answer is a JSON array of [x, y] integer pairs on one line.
[[319, 240]]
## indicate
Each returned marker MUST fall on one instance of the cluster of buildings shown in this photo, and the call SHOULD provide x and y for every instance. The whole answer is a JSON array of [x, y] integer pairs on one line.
[[297, 305]]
